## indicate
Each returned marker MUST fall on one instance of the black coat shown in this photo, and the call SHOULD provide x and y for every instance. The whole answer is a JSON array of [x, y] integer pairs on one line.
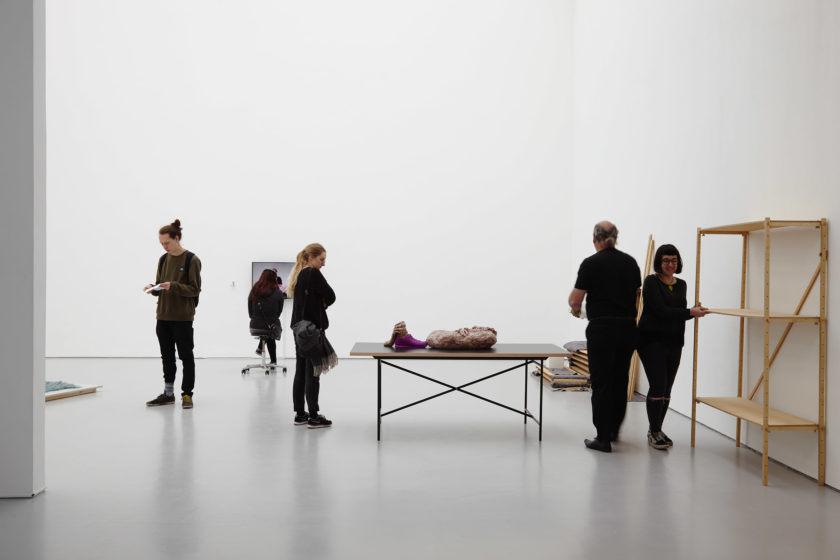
[[266, 311], [312, 297]]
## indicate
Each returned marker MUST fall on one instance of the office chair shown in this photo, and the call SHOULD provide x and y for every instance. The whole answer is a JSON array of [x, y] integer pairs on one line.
[[262, 335]]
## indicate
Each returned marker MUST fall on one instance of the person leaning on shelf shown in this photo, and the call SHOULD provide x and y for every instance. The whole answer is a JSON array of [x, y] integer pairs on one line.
[[661, 336], [610, 281]]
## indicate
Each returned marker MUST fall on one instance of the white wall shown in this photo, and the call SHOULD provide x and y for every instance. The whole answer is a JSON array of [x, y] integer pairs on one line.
[[693, 114], [427, 145]]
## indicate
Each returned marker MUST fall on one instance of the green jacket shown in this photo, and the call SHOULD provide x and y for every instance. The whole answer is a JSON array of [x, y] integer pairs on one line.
[[178, 303]]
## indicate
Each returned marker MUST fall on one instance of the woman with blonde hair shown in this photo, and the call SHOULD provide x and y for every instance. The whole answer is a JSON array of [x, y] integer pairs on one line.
[[312, 295]]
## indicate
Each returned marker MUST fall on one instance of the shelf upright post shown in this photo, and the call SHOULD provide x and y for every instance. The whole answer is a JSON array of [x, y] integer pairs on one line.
[[821, 420], [766, 411], [696, 325], [745, 236]]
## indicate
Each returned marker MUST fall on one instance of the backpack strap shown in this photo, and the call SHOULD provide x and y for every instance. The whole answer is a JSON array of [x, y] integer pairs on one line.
[[160, 265], [187, 265]]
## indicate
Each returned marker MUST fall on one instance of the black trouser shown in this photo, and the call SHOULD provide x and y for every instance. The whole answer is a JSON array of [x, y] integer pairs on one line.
[[172, 334], [610, 344], [306, 385], [272, 349], [661, 361]]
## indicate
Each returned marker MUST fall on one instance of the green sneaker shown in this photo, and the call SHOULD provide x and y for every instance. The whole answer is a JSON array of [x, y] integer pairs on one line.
[[186, 401], [161, 400]]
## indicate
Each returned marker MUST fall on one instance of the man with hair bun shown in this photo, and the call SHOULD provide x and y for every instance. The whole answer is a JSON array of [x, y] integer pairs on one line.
[[610, 281], [177, 285]]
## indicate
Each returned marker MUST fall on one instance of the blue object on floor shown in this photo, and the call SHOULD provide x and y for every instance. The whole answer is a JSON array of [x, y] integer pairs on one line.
[[59, 385]]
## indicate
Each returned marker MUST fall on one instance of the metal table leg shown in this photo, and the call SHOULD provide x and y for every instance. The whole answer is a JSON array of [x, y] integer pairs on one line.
[[378, 398]]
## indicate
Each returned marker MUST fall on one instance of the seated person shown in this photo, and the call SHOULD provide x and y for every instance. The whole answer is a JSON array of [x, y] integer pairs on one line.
[[265, 303]]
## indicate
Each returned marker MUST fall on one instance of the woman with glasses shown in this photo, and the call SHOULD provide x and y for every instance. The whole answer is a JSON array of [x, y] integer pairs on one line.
[[661, 336]]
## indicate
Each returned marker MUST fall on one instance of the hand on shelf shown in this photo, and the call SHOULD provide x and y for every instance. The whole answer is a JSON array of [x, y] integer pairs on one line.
[[698, 311]]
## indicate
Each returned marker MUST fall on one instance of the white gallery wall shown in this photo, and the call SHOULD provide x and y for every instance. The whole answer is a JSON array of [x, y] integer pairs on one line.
[[695, 114], [426, 145], [452, 157]]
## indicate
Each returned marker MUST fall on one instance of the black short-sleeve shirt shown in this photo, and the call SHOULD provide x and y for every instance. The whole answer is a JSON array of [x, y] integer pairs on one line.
[[610, 279]]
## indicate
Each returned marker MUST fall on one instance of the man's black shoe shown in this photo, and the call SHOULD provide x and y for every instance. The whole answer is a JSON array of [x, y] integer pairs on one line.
[[598, 445]]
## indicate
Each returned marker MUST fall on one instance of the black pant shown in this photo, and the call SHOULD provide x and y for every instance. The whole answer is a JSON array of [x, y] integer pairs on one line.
[[305, 385], [272, 348], [172, 334], [661, 362], [610, 344]]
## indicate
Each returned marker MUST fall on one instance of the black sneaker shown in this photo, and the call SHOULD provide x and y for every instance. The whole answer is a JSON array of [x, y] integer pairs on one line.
[[301, 419], [161, 400], [665, 438], [318, 421], [655, 441]]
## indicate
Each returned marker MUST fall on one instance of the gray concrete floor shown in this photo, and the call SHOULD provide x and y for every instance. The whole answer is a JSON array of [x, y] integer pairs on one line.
[[452, 478]]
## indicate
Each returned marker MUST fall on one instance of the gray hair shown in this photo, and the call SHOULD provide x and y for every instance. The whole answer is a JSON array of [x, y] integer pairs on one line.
[[607, 236]]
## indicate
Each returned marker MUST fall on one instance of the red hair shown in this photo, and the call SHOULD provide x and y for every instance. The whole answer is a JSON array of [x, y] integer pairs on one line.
[[264, 286]]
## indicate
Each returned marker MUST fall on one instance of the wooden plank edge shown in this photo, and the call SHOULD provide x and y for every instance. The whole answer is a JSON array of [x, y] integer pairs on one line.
[[66, 393]]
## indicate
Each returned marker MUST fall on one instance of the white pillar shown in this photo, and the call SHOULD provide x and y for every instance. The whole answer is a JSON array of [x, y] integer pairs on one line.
[[22, 246]]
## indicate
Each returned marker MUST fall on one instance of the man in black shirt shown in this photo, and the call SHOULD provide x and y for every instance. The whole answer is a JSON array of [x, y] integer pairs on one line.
[[610, 280]]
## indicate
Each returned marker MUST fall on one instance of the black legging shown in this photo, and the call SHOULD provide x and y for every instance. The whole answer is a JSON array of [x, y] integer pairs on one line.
[[305, 387], [272, 350], [661, 362]]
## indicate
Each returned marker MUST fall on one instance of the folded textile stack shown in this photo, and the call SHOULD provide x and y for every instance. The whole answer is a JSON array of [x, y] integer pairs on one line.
[[563, 378], [579, 362]]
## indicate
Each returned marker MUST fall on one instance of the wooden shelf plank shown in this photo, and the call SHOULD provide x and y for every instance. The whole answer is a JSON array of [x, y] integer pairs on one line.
[[753, 412], [759, 314], [65, 393], [747, 227]]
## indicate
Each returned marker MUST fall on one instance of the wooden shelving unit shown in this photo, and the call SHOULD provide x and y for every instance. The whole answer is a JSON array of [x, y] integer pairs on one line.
[[745, 408]]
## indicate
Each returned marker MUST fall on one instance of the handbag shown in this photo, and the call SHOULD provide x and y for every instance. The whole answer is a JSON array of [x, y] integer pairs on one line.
[[308, 337]]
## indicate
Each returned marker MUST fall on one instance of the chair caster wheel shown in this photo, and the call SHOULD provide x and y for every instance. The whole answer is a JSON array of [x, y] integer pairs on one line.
[[244, 371]]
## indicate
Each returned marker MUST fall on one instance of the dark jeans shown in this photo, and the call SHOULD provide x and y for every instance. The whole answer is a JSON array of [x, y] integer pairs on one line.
[[306, 385], [661, 362], [610, 344], [177, 334], [271, 344]]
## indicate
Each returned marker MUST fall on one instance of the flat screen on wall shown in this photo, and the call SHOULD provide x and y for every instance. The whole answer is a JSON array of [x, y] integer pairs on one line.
[[283, 270]]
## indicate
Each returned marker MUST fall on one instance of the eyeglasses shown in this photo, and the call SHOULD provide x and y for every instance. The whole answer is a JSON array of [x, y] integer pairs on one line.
[[672, 260]]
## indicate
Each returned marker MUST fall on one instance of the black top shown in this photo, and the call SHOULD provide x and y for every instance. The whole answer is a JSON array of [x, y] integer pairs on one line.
[[313, 289], [610, 278], [665, 312], [266, 311]]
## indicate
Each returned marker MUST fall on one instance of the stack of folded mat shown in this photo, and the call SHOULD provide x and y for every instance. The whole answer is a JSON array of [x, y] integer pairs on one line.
[[575, 376], [579, 362]]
